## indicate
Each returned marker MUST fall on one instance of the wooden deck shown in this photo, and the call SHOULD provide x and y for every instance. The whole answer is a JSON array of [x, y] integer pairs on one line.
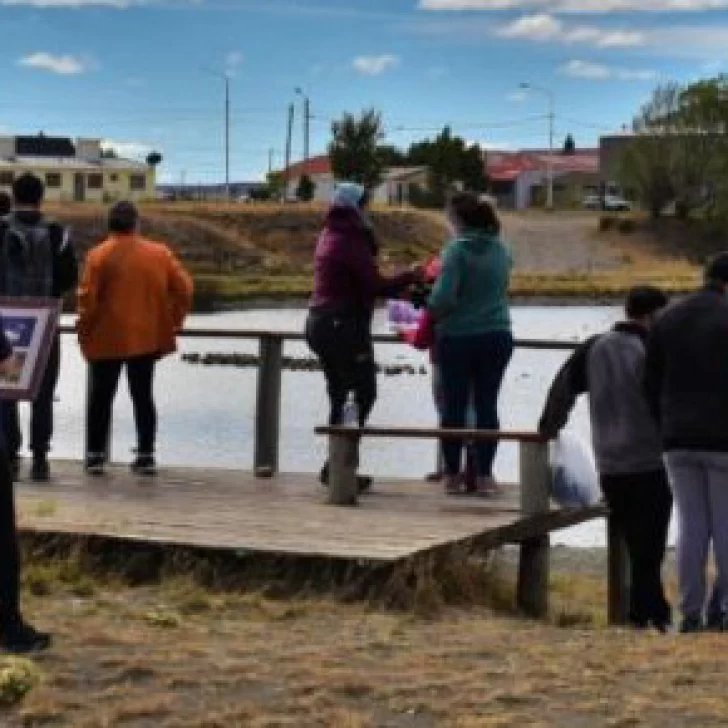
[[286, 515]]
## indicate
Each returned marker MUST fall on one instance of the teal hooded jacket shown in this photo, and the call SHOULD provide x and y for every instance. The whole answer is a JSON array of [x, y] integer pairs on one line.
[[470, 295]]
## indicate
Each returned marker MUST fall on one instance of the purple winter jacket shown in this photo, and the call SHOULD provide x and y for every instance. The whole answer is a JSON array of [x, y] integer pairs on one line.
[[346, 276]]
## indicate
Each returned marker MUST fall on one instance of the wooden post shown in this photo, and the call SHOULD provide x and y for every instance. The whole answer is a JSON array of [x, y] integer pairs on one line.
[[343, 490], [268, 407], [618, 580], [533, 566]]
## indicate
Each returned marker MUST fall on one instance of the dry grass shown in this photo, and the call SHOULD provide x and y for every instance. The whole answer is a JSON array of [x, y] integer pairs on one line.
[[238, 252], [175, 654]]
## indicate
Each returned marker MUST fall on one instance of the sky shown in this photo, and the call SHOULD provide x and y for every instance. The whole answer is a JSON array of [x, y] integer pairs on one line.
[[149, 74]]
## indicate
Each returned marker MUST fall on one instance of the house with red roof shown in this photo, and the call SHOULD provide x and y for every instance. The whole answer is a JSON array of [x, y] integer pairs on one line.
[[395, 188], [519, 179]]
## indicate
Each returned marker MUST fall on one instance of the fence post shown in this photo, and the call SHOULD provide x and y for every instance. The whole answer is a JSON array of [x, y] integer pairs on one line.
[[268, 406], [343, 456], [618, 576], [533, 566]]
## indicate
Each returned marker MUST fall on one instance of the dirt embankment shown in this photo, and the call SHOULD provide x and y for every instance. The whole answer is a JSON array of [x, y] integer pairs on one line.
[[242, 251]]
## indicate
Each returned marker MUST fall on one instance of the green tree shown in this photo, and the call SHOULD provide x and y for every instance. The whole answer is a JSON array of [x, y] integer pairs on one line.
[[451, 161], [569, 145], [154, 159], [306, 189], [354, 150], [276, 185]]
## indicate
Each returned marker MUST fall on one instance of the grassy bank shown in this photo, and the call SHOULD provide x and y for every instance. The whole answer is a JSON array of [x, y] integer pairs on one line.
[[239, 253], [182, 651]]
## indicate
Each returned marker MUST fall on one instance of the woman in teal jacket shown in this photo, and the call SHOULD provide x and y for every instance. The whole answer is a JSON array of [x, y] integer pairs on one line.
[[473, 330]]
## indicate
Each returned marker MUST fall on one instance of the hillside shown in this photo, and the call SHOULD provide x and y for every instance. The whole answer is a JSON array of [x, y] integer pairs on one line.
[[239, 251]]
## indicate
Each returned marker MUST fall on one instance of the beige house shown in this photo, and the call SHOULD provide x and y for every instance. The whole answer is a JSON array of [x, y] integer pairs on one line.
[[74, 171]]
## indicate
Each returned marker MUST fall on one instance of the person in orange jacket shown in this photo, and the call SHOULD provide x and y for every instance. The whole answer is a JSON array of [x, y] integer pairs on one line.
[[132, 301]]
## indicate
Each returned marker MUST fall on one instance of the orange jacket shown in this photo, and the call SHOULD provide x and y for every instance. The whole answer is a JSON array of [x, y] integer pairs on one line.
[[132, 299]]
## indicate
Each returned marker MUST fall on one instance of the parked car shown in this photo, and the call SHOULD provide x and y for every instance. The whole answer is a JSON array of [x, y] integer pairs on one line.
[[612, 203]]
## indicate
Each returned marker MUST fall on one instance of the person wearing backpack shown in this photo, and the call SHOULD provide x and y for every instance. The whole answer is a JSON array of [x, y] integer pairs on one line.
[[610, 368], [37, 260], [132, 301]]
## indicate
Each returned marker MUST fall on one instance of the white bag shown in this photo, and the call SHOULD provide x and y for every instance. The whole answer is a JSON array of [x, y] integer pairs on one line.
[[574, 479]]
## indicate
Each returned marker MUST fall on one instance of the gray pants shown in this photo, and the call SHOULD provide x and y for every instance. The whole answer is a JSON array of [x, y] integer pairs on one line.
[[700, 485]]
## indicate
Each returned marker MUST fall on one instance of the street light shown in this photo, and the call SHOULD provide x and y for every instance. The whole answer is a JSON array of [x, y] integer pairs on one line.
[[226, 78], [550, 166], [306, 124]]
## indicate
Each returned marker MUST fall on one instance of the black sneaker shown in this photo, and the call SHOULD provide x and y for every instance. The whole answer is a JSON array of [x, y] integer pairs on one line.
[[691, 625], [21, 638], [94, 464], [40, 470], [144, 465]]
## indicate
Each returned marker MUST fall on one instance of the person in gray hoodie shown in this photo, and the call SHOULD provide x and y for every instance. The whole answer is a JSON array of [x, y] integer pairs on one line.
[[627, 445]]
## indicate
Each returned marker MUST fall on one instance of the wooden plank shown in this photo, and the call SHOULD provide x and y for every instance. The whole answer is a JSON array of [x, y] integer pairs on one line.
[[432, 432], [254, 334], [286, 515]]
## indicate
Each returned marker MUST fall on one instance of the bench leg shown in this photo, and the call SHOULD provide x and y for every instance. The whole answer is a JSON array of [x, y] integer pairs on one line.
[[343, 457]]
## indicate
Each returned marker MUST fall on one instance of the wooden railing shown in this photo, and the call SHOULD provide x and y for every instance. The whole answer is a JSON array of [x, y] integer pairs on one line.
[[270, 371]]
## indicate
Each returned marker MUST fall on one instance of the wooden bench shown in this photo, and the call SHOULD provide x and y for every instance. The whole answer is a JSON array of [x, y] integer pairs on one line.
[[535, 504]]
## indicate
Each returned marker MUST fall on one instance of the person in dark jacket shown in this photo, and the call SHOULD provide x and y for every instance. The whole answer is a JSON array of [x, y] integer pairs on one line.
[[37, 260], [473, 340], [16, 635], [686, 379], [6, 204], [610, 369], [347, 282]]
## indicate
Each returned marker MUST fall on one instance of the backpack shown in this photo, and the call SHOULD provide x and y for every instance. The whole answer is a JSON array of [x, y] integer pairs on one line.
[[26, 259]]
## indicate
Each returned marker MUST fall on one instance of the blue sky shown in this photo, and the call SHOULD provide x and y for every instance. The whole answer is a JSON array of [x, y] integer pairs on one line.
[[142, 72]]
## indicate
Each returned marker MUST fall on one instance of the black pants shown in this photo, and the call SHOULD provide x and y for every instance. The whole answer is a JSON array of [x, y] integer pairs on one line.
[[343, 345], [9, 552], [41, 410], [104, 382], [640, 505]]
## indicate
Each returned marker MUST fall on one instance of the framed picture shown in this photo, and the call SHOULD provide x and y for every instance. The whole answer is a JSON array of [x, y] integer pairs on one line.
[[30, 325]]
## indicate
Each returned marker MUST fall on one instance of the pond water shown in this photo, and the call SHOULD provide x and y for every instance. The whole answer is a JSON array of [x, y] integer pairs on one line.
[[207, 413]]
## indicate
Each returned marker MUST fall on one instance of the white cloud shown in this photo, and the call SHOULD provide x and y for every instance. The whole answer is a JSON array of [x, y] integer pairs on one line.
[[63, 65], [375, 65], [128, 150], [517, 97], [600, 72], [543, 27], [581, 6]]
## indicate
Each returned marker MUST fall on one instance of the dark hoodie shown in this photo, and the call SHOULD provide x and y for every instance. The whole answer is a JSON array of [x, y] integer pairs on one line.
[[346, 277]]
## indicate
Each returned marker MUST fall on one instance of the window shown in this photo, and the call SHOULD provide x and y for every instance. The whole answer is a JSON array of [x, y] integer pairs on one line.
[[113, 178], [137, 182], [53, 179], [95, 181], [6, 178]]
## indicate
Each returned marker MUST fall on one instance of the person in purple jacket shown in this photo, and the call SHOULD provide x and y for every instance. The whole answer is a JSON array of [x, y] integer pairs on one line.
[[347, 282]]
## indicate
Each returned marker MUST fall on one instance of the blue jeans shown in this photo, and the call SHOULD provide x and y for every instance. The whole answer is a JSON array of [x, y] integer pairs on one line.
[[472, 366]]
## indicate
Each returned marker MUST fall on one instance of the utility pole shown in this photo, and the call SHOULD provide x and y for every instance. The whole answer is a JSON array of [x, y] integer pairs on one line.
[[550, 163], [306, 125], [271, 152], [289, 134], [227, 136]]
